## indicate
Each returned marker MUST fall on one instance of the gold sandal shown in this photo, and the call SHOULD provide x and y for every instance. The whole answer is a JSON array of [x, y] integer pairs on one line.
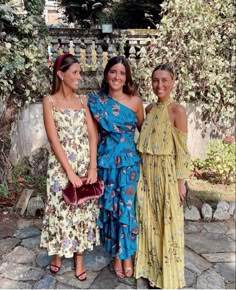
[[119, 272], [128, 270]]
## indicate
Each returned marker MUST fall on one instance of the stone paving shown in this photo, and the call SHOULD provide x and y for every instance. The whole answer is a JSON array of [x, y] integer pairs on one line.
[[209, 260]]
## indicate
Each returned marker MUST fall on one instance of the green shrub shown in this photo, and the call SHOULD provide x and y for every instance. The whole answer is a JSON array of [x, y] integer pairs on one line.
[[22, 177], [219, 166], [3, 191]]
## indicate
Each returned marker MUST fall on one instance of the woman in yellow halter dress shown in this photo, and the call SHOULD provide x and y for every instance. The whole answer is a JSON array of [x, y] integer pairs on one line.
[[165, 164]]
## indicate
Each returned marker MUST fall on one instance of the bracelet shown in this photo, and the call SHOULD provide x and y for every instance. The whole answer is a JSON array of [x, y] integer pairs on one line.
[[95, 168]]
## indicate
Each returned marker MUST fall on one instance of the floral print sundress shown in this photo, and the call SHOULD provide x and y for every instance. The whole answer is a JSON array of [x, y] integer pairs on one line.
[[165, 158], [66, 228], [118, 163]]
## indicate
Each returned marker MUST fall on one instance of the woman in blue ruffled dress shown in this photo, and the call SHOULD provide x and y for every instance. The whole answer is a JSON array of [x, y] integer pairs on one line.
[[118, 111]]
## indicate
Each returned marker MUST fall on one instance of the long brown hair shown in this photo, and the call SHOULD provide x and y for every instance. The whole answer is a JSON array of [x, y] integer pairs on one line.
[[62, 63], [128, 88]]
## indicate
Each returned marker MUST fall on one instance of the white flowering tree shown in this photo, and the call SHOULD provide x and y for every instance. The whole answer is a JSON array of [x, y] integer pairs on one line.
[[197, 38]]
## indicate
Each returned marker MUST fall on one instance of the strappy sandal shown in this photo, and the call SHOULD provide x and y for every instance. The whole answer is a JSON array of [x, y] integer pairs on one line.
[[78, 276], [53, 265], [128, 270], [54, 271], [151, 285], [119, 272]]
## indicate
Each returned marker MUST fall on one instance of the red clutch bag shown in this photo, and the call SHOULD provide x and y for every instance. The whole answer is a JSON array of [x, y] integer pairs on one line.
[[77, 195]]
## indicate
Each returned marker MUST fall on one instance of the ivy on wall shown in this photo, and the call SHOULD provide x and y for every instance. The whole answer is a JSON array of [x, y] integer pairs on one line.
[[24, 74]]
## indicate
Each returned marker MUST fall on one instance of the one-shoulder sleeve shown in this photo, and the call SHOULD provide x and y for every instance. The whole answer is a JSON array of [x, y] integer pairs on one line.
[[92, 101], [98, 103], [182, 157]]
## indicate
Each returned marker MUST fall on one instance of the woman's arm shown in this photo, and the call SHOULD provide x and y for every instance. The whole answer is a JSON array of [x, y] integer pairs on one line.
[[180, 122], [180, 118], [139, 113], [93, 142], [52, 135], [148, 108]]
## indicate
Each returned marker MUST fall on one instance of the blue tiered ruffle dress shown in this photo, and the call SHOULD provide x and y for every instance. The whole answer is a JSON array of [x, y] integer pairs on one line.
[[118, 163]]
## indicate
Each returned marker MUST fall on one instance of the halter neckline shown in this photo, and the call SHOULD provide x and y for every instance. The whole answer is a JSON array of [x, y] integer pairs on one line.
[[166, 103]]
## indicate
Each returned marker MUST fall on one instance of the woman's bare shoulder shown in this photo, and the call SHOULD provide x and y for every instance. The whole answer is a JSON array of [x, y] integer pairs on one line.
[[149, 107], [46, 99], [136, 99], [177, 108]]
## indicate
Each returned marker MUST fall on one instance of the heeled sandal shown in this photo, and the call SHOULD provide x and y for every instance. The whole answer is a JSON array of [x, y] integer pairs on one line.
[[78, 276], [54, 271], [129, 271], [55, 266], [151, 285], [119, 272]]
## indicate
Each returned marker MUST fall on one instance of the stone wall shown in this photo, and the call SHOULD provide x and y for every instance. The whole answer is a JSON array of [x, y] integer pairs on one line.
[[29, 133], [93, 48]]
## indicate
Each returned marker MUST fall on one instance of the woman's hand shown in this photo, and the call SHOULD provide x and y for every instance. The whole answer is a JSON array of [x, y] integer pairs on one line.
[[182, 189], [74, 179], [92, 175]]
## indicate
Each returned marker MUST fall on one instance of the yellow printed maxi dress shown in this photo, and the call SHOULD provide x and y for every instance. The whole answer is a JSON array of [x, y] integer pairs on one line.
[[165, 158], [67, 228]]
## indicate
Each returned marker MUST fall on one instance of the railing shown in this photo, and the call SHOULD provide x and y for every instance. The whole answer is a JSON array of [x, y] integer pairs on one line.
[[93, 48]]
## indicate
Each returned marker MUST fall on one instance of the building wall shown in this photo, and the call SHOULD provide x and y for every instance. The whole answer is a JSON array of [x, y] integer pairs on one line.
[[52, 12]]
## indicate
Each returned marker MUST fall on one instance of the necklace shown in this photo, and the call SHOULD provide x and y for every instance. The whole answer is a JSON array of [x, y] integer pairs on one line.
[[119, 99]]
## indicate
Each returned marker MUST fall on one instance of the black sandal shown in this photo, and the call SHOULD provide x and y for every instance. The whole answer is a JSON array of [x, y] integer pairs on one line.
[[54, 271], [81, 274]]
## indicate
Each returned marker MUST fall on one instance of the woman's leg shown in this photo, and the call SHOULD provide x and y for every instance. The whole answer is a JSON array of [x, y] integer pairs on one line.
[[118, 268], [80, 272], [128, 267], [55, 264]]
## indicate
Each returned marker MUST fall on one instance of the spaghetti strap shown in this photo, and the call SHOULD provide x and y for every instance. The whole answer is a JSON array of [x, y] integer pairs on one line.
[[51, 102], [81, 100]]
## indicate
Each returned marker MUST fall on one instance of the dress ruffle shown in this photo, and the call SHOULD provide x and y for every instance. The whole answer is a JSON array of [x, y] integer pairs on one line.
[[118, 163], [117, 219]]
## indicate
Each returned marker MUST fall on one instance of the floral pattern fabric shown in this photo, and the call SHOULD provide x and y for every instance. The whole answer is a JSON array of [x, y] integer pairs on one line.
[[118, 164], [67, 228], [165, 158]]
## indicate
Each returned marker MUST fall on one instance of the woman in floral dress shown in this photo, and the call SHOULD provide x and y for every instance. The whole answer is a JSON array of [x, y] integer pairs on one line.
[[69, 230], [161, 191], [118, 111]]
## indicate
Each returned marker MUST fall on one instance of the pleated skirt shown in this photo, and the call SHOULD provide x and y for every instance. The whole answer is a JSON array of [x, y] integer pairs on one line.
[[160, 254]]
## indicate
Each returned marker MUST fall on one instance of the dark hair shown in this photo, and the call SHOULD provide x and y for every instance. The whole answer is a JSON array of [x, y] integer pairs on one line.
[[166, 67], [62, 63], [128, 88]]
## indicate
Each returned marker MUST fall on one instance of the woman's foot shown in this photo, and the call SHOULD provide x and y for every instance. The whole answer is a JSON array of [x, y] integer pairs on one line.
[[128, 267], [118, 268], [55, 265], [80, 272]]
